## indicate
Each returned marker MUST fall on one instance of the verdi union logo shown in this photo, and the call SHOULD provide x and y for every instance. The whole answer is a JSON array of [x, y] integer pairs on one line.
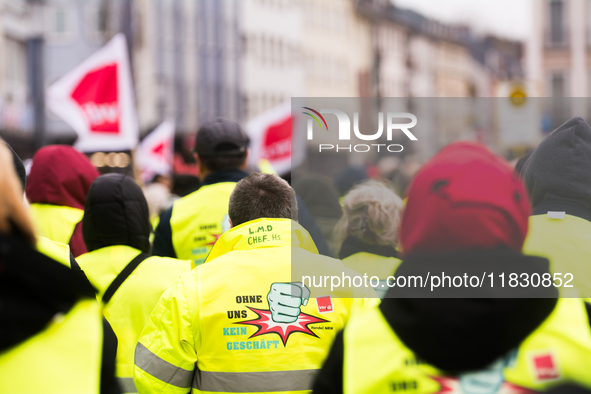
[[393, 124]]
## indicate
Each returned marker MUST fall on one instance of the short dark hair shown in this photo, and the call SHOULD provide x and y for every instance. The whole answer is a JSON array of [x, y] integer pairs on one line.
[[219, 163], [262, 196]]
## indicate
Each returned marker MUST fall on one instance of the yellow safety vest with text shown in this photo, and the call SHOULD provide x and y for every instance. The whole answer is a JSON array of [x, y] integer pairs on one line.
[[216, 327], [198, 220], [559, 351], [129, 308], [55, 222], [64, 358]]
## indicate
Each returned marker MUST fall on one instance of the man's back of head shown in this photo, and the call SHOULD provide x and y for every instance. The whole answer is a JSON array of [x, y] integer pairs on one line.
[[262, 196], [221, 145]]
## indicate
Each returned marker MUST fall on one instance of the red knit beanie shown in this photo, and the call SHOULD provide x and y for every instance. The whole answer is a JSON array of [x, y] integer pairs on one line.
[[466, 197]]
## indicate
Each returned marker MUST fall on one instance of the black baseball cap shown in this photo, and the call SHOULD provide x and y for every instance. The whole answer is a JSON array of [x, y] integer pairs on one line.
[[221, 137]]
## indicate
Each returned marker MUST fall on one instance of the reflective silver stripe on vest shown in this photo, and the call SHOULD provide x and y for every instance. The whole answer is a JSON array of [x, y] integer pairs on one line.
[[161, 369], [127, 385], [254, 382]]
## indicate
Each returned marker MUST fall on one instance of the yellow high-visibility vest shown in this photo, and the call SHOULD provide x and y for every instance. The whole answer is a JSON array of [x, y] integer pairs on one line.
[[129, 308], [371, 264], [214, 331], [55, 222], [567, 244], [64, 358], [559, 351], [56, 250], [198, 220]]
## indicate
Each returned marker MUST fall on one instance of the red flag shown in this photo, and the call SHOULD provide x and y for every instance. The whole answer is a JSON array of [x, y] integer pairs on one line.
[[155, 154], [96, 99], [270, 138]]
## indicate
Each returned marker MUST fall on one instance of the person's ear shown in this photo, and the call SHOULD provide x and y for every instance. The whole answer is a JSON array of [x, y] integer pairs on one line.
[[231, 224], [199, 163], [245, 160]]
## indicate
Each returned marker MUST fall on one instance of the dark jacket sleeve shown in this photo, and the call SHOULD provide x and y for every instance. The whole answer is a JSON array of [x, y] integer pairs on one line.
[[330, 378], [109, 384], [163, 237]]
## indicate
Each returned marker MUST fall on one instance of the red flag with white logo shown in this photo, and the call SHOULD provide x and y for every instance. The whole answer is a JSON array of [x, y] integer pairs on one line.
[[270, 138], [155, 153], [96, 99]]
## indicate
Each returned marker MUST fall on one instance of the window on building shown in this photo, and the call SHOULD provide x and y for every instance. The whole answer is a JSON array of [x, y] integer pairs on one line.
[[15, 65], [557, 21], [559, 107], [558, 85], [263, 49], [280, 57], [243, 45], [97, 19], [60, 22]]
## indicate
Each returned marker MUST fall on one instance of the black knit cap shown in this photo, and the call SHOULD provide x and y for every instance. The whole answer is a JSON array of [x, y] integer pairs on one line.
[[221, 137]]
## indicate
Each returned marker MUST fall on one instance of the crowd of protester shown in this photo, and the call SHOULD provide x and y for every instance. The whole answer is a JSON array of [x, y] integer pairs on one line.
[[106, 287]]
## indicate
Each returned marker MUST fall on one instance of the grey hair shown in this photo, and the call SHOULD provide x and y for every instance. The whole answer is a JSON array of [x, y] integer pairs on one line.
[[371, 213], [262, 196]]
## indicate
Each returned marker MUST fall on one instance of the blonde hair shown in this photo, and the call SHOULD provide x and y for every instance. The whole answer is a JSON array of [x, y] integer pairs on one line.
[[371, 213]]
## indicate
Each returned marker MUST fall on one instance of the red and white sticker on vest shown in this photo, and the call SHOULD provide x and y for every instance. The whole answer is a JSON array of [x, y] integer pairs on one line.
[[324, 304], [545, 367]]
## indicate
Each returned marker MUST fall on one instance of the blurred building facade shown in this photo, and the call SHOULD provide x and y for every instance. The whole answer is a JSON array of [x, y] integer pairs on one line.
[[272, 57], [194, 60], [559, 55], [337, 50], [21, 40], [73, 30], [186, 58]]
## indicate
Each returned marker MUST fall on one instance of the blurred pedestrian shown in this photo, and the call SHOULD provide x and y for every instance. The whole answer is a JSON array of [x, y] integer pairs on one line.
[[52, 337], [367, 234], [348, 178], [56, 189], [465, 207], [56, 250], [558, 176], [322, 203], [158, 196], [116, 231], [190, 228], [239, 323]]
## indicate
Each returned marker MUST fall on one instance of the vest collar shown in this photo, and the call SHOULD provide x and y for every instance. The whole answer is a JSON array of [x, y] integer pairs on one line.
[[263, 233], [353, 245], [570, 206], [231, 175]]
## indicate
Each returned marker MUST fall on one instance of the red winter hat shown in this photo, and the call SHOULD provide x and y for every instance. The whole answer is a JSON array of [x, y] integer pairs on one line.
[[466, 197]]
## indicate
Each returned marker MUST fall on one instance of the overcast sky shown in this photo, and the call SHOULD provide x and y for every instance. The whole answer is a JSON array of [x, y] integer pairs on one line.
[[507, 18]]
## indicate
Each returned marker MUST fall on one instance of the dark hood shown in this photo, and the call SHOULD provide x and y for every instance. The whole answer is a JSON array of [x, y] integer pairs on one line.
[[116, 213], [60, 175], [473, 330], [559, 169], [33, 289]]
